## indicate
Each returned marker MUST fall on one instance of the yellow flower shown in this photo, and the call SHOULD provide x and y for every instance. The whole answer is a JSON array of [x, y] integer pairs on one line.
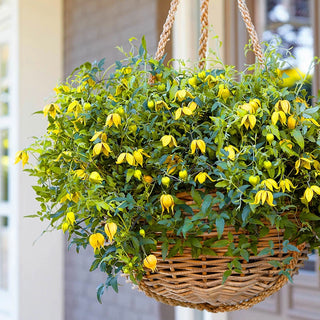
[[168, 140], [52, 109], [278, 115], [101, 147], [292, 122], [172, 162], [270, 184], [211, 80], [223, 92], [183, 174], [283, 105], [183, 111], [70, 218], [100, 135], [65, 198], [167, 202], [126, 157], [160, 104], [150, 262], [113, 119], [286, 184], [65, 227], [137, 174], [193, 81], [198, 144], [138, 156], [95, 177], [302, 162], [110, 230], [309, 192], [96, 240], [201, 177], [126, 70], [75, 197], [264, 196], [74, 107], [21, 156], [310, 120], [232, 152], [287, 143], [249, 120], [165, 181], [182, 95], [81, 173]]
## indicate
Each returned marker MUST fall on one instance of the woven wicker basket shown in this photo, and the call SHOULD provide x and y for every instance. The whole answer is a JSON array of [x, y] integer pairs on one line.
[[197, 283]]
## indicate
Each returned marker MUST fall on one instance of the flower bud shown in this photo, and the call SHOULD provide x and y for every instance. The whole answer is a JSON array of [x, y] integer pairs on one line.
[[110, 230], [142, 233], [150, 262], [95, 177], [292, 122], [137, 174], [183, 174], [70, 218], [147, 179], [165, 181], [65, 227]]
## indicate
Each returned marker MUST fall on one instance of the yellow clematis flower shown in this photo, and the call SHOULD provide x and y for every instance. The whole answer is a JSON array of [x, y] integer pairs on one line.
[[303, 162], [283, 105], [137, 174], [138, 156], [278, 115], [182, 95], [101, 147], [198, 144], [309, 192], [159, 105], [65, 198], [96, 241], [113, 119], [21, 156], [70, 218], [150, 262], [249, 120], [172, 162], [95, 177], [65, 227], [81, 173], [126, 157], [232, 152], [147, 179], [193, 81], [100, 135], [286, 184], [168, 140], [264, 196], [182, 111], [270, 184], [167, 202], [110, 230], [201, 177], [75, 197], [211, 80], [223, 92], [52, 109], [74, 107]]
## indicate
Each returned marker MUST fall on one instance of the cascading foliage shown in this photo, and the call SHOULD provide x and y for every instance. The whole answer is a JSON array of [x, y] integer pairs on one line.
[[118, 151]]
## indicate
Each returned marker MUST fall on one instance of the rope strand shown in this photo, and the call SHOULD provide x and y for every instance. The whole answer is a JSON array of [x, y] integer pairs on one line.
[[204, 20]]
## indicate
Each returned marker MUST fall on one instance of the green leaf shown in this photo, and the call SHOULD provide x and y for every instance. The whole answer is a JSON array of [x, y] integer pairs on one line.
[[196, 197], [296, 134], [244, 254], [100, 291], [208, 252], [264, 252], [220, 226], [220, 244], [164, 248], [206, 204], [222, 184], [226, 275]]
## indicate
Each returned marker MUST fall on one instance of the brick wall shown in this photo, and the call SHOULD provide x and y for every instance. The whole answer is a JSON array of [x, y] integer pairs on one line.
[[92, 31]]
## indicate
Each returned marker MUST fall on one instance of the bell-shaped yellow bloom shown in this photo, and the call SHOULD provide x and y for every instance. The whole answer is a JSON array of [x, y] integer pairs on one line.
[[182, 111], [283, 105], [193, 81], [70, 218], [95, 177], [286, 184], [183, 174], [168, 140], [303, 162], [75, 197], [110, 229], [264, 196], [100, 135], [172, 162], [249, 120], [96, 241], [160, 105], [137, 174], [74, 107], [182, 95], [224, 92], [201, 177], [101, 147], [126, 157], [270, 184], [167, 202], [150, 262], [65, 227], [147, 179], [138, 156], [198, 144], [309, 192], [81, 173], [310, 120], [113, 119], [52, 109], [211, 80], [65, 198], [21, 156], [232, 152], [278, 115]]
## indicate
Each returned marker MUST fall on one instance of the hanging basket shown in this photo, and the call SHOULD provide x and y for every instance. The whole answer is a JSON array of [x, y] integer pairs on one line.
[[133, 153], [198, 283]]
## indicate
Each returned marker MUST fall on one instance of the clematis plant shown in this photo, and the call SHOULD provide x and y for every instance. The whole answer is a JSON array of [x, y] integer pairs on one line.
[[119, 150]]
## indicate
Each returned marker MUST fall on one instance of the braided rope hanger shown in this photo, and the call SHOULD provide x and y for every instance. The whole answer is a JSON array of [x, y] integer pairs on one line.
[[167, 27]]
